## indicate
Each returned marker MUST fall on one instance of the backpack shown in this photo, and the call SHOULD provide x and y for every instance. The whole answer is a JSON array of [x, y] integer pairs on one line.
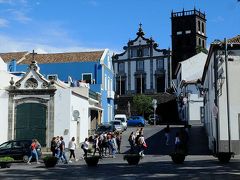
[[82, 146]]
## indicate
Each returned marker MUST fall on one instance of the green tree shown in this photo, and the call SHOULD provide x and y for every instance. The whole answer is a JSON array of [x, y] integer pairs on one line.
[[142, 104]]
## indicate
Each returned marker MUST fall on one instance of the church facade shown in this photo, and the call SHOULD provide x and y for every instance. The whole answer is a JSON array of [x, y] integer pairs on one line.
[[142, 68]]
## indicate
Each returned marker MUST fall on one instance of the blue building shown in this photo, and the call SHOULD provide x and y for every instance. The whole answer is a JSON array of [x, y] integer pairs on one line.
[[93, 67]]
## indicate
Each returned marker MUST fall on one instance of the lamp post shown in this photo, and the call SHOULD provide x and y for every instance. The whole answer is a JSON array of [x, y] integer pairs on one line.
[[154, 103]]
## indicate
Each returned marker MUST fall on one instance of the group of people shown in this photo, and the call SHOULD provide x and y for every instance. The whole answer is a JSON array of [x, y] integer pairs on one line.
[[137, 142], [106, 144], [181, 138], [58, 149]]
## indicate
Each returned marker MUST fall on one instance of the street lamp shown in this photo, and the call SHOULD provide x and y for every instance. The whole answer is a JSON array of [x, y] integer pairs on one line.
[[154, 103]]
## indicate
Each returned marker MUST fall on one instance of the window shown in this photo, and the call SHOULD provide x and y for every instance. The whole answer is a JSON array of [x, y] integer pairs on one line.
[[146, 51], [203, 44], [87, 78], [140, 66], [121, 67], [199, 28], [160, 64], [203, 27], [140, 52], [188, 32], [179, 32], [199, 42], [134, 53]]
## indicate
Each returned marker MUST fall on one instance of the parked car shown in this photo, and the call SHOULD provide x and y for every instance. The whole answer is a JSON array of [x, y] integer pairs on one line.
[[123, 118], [104, 128], [151, 119], [136, 121], [17, 149], [117, 125]]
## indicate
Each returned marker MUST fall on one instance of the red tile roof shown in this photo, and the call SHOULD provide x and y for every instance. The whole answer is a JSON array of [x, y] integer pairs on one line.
[[234, 40], [54, 58]]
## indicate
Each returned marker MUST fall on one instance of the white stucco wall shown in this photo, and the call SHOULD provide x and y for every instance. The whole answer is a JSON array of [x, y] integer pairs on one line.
[[4, 115]]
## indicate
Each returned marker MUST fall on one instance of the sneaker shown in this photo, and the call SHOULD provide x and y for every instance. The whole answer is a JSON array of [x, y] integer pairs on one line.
[[38, 163], [70, 161], [76, 160], [28, 163], [66, 162]]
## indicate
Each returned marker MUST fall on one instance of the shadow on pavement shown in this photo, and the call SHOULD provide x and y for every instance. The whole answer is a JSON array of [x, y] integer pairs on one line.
[[200, 169]]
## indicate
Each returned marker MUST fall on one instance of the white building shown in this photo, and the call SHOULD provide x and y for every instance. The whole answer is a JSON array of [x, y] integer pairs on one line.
[[221, 89], [35, 107], [188, 73], [142, 68]]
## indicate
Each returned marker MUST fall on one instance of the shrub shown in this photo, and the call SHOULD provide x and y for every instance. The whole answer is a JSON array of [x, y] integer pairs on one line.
[[6, 159]]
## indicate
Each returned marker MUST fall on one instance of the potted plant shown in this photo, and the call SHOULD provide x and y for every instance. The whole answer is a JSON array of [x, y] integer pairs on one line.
[[178, 157], [91, 160], [6, 162], [224, 157], [132, 159], [50, 161]]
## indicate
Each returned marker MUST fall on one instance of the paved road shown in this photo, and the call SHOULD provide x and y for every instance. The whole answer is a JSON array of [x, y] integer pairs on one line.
[[155, 165]]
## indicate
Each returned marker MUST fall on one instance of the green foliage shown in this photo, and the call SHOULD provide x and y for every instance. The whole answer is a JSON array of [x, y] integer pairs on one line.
[[142, 104], [50, 161], [6, 159], [201, 49]]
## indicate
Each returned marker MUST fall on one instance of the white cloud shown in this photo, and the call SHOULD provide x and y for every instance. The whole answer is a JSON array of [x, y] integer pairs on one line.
[[14, 45], [20, 16], [3, 22]]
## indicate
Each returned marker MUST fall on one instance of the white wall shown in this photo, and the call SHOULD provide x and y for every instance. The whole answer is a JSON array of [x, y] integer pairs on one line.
[[80, 104], [4, 115]]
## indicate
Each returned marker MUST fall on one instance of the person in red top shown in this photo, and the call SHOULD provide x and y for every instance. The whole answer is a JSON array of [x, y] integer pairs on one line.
[[33, 151]]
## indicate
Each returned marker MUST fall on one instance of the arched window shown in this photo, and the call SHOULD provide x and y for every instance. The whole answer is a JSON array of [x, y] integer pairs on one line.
[[199, 28], [203, 28], [199, 42]]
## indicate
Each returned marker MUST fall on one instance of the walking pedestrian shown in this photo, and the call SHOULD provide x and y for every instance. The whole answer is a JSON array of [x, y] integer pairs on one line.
[[141, 144], [85, 147], [118, 141], [72, 146], [167, 134], [33, 152], [53, 146], [62, 151], [131, 140]]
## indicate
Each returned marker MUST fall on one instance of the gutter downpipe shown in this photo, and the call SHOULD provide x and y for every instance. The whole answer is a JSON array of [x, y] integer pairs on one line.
[[227, 93]]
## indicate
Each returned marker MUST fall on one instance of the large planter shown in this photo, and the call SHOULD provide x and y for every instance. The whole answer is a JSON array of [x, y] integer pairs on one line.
[[224, 157], [92, 160], [178, 158], [132, 159], [6, 162], [50, 161]]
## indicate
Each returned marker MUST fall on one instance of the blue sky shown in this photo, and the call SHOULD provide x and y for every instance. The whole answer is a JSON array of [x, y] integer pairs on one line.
[[83, 25]]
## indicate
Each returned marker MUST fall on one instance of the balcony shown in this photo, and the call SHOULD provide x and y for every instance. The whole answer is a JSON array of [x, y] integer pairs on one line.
[[110, 94]]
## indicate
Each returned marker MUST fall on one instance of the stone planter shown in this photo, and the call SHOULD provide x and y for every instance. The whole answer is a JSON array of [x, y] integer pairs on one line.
[[5, 164], [178, 158], [132, 159], [92, 160], [50, 161], [224, 157]]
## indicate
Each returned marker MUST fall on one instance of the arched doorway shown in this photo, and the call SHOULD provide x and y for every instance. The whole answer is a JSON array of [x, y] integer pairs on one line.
[[31, 122]]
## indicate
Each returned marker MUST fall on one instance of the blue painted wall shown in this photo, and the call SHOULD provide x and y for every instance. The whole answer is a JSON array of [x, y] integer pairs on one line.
[[75, 71]]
